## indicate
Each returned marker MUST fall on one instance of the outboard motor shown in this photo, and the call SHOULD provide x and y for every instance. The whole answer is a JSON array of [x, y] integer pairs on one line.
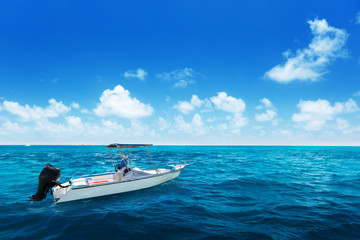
[[48, 178]]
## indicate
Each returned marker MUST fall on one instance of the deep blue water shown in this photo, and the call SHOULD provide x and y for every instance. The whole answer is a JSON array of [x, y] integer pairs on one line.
[[226, 193]]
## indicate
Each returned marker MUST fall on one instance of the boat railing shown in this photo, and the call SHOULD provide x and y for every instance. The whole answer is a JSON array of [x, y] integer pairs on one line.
[[81, 174], [76, 176]]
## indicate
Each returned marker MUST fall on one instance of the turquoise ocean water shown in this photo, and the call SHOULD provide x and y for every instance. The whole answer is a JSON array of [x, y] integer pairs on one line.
[[226, 193]]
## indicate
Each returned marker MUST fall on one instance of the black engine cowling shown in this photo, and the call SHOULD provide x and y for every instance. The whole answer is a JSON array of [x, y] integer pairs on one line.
[[48, 178]]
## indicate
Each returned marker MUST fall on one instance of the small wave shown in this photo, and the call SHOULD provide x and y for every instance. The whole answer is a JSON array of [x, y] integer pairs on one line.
[[227, 193], [342, 231]]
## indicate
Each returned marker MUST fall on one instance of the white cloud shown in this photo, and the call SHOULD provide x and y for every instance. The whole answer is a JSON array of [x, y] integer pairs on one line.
[[139, 129], [182, 77], [265, 103], [350, 106], [75, 105], [221, 102], [238, 121], [187, 107], [181, 84], [27, 113], [12, 127], [233, 105], [357, 20], [176, 74], [353, 130], [342, 124], [162, 124], [111, 127], [278, 133], [181, 124], [136, 129], [309, 63], [265, 117], [119, 103], [85, 111], [314, 114], [222, 127], [228, 103], [35, 126], [196, 126], [140, 74], [357, 94], [74, 123], [197, 121], [46, 126], [269, 114]]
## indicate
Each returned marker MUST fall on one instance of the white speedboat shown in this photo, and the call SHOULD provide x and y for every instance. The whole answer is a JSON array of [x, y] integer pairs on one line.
[[123, 179]]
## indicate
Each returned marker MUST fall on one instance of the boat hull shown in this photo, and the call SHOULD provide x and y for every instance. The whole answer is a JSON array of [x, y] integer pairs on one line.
[[99, 190]]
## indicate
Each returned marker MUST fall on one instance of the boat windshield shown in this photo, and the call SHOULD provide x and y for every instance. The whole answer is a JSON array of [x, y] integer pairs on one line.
[[125, 151]]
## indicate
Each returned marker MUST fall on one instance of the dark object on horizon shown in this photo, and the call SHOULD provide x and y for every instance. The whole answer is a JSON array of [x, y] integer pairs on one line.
[[48, 178]]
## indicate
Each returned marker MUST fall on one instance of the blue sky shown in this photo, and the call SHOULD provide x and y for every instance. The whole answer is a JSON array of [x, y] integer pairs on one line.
[[180, 72]]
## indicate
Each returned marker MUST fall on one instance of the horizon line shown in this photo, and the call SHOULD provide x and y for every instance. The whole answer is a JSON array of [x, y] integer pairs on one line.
[[200, 145]]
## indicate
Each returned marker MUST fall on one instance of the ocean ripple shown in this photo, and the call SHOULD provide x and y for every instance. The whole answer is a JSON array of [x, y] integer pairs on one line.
[[226, 193]]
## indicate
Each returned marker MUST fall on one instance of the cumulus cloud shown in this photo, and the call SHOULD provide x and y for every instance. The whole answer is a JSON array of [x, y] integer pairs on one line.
[[140, 129], [74, 123], [181, 84], [139, 74], [75, 105], [12, 127], [46, 126], [136, 128], [181, 125], [237, 121], [187, 107], [72, 127], [233, 105], [269, 114], [266, 103], [182, 77], [85, 111], [162, 124], [27, 113], [342, 124], [118, 102], [314, 114], [35, 122], [228, 103], [221, 102], [266, 116], [197, 122], [196, 126], [112, 127], [309, 63]]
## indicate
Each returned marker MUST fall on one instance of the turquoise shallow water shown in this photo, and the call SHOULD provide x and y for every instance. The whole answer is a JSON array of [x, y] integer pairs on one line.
[[226, 193]]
